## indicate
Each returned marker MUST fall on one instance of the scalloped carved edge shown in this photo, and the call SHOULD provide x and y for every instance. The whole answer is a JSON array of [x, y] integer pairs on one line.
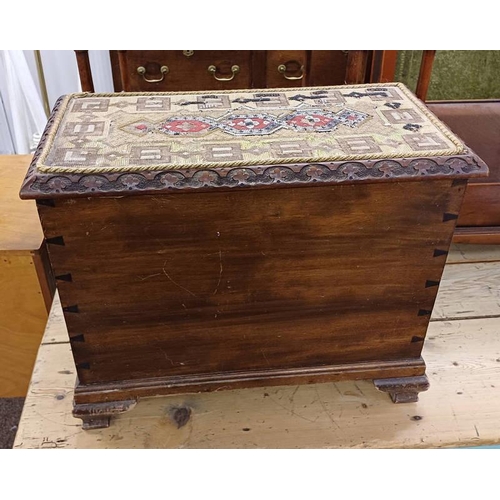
[[40, 185], [47, 185]]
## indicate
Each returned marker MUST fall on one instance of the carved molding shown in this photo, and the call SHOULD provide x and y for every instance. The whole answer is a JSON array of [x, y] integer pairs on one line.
[[46, 185], [43, 185]]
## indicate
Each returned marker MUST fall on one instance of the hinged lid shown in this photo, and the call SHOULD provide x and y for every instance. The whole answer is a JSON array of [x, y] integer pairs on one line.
[[143, 142]]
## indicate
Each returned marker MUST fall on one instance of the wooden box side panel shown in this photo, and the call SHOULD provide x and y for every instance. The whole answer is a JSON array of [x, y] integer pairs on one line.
[[173, 285], [22, 321]]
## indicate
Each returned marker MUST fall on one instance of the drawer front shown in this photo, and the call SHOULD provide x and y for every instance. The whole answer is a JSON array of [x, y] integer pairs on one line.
[[178, 70], [328, 67], [286, 68]]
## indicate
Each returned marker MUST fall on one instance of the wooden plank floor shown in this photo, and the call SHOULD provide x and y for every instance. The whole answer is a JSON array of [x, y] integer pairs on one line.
[[462, 407]]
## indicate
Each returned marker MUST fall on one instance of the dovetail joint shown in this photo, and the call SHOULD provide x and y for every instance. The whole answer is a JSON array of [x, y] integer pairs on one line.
[[447, 217], [45, 202], [57, 240], [438, 253], [424, 312], [64, 277], [430, 283], [72, 309]]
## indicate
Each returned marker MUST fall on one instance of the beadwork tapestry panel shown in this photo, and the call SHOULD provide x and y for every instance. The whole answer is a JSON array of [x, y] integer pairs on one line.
[[137, 132]]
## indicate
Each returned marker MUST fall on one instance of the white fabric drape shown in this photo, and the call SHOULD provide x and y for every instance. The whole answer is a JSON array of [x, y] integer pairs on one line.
[[22, 116], [101, 70], [61, 73], [6, 144], [23, 105]]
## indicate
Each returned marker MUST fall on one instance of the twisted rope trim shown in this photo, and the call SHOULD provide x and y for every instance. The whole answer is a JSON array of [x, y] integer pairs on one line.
[[42, 168]]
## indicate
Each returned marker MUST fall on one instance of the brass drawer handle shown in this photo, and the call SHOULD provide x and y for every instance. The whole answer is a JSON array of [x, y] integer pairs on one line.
[[235, 69], [142, 71], [283, 69]]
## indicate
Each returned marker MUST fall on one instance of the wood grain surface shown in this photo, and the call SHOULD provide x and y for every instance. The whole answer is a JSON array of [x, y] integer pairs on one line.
[[24, 293], [460, 285], [22, 321], [477, 123], [227, 288], [19, 224], [481, 206], [477, 235], [259, 69], [188, 73]]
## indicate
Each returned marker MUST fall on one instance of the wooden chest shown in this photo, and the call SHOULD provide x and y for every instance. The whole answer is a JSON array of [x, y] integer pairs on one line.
[[234, 239]]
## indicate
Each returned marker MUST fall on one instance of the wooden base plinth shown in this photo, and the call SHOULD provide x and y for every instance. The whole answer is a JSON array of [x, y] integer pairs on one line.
[[98, 415], [93, 405], [403, 389]]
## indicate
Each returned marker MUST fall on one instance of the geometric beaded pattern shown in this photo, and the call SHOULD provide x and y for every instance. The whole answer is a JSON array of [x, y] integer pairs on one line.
[[133, 132]]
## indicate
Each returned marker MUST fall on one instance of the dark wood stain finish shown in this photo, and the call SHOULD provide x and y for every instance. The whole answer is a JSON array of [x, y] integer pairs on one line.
[[403, 390], [185, 72], [185, 292], [83, 62], [424, 76], [356, 66], [296, 68], [258, 69], [478, 124], [45, 276], [328, 67]]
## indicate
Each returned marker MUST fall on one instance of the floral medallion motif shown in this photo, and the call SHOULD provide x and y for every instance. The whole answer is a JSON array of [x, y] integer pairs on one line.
[[186, 125], [351, 118], [312, 120], [257, 124]]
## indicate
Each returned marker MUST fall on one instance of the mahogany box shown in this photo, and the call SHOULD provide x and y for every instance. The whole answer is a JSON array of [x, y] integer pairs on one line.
[[216, 240]]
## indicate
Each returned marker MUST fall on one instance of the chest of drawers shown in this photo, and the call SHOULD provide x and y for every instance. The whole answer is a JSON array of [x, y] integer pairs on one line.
[[192, 70]]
